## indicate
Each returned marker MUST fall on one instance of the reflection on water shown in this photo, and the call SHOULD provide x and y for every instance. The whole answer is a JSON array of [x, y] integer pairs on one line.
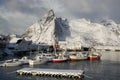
[[111, 56], [105, 69]]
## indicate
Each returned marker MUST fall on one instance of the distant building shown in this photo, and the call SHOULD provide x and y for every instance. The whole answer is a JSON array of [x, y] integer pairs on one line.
[[67, 45]]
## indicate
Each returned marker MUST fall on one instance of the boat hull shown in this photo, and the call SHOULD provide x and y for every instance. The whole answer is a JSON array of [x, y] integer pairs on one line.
[[73, 59], [59, 60], [35, 62], [12, 64], [76, 58], [94, 58]]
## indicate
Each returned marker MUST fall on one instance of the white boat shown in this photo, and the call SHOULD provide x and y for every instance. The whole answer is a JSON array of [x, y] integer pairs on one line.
[[78, 56], [60, 58], [15, 62], [24, 60], [10, 63], [49, 56], [38, 60]]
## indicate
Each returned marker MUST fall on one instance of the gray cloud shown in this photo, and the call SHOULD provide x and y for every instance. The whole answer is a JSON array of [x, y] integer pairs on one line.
[[3, 25], [17, 15], [93, 9]]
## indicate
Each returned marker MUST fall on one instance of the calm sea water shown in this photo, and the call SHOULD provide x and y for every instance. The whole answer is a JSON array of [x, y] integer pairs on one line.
[[108, 68]]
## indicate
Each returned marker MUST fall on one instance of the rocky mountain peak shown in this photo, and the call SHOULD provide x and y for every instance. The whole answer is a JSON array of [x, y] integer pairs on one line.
[[43, 30], [108, 23], [47, 18]]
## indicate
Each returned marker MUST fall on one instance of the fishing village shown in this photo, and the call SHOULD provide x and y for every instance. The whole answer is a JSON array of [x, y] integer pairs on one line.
[[44, 54], [58, 49]]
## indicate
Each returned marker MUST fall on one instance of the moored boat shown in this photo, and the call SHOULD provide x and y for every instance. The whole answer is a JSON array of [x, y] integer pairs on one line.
[[15, 62], [24, 60], [10, 63], [38, 60], [94, 56], [49, 56], [60, 58], [78, 56]]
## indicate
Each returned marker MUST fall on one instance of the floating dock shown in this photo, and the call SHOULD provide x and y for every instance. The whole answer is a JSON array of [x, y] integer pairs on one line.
[[77, 74]]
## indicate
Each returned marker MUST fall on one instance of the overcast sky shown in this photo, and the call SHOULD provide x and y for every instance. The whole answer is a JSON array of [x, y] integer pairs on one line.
[[17, 15]]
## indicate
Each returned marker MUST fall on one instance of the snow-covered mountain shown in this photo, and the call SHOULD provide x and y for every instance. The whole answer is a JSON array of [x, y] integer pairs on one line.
[[43, 30], [79, 31], [94, 33]]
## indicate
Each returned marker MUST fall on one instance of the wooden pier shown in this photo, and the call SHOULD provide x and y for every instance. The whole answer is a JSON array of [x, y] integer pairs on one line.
[[77, 74]]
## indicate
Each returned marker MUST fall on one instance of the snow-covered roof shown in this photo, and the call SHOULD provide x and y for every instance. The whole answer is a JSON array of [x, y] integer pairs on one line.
[[14, 40]]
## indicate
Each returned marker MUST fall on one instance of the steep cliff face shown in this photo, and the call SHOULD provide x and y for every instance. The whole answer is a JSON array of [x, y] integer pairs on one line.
[[62, 29], [80, 31], [43, 30]]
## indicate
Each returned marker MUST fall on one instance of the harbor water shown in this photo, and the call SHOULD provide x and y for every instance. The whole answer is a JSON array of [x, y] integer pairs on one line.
[[105, 69]]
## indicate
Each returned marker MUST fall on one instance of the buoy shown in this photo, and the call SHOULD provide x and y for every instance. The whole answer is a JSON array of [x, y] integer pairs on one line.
[[34, 73], [20, 73]]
